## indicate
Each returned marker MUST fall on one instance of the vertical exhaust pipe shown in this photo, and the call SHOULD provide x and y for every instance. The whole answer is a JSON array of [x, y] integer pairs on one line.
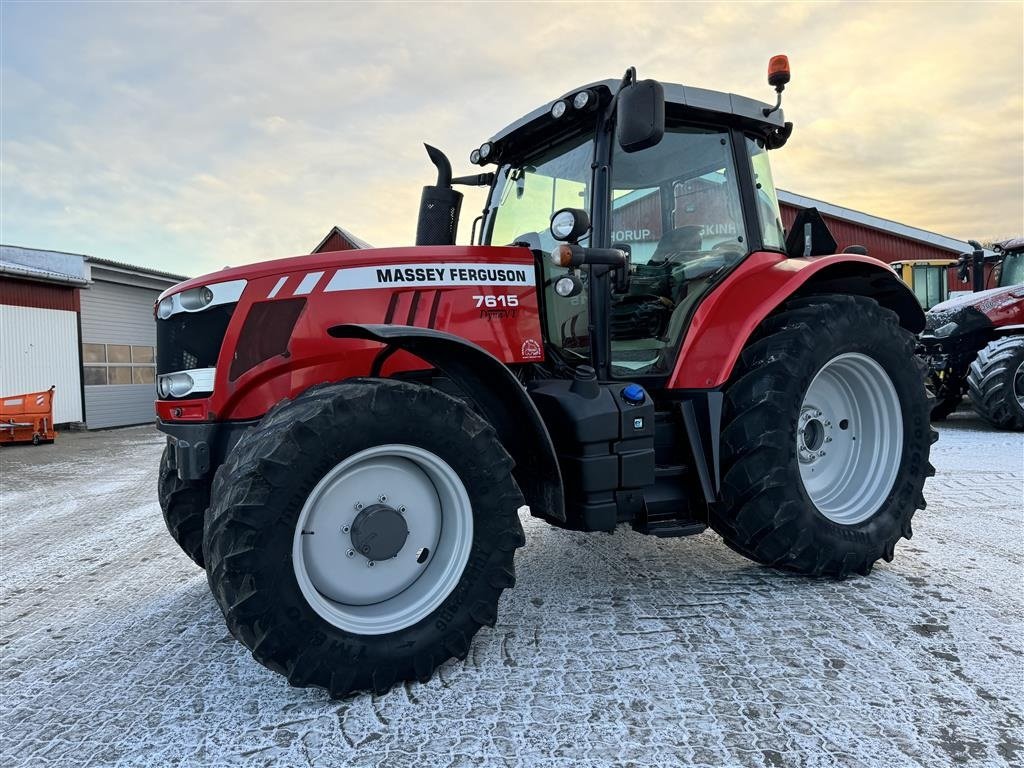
[[438, 221]]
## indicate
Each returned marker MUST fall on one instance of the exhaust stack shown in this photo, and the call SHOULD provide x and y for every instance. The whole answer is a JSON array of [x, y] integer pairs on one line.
[[439, 205]]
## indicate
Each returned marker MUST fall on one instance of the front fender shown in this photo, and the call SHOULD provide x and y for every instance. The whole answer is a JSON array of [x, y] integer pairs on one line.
[[726, 318], [498, 394]]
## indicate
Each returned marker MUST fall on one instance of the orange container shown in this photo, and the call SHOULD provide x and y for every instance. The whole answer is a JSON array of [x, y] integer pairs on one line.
[[27, 418]]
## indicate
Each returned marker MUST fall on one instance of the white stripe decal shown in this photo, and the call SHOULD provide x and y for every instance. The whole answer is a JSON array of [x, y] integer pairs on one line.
[[278, 287], [430, 276], [308, 283]]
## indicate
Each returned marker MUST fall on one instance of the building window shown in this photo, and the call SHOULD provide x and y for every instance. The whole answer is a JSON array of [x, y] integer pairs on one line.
[[95, 374], [94, 353], [120, 364]]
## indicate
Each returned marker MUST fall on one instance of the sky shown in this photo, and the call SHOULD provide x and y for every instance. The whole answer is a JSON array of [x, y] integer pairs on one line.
[[187, 137]]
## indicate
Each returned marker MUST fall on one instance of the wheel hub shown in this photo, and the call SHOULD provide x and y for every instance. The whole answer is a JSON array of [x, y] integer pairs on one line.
[[379, 532], [813, 432]]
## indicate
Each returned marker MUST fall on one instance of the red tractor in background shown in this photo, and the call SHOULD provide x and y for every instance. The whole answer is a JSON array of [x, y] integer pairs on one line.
[[632, 340], [974, 343]]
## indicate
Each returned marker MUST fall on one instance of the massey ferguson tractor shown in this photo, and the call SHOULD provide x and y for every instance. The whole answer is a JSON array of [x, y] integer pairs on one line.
[[975, 342], [631, 339]]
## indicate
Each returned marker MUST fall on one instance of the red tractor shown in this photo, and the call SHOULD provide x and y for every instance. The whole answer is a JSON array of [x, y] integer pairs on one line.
[[975, 342], [631, 340]]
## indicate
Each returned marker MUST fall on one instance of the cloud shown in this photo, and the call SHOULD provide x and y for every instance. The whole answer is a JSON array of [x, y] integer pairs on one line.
[[192, 136]]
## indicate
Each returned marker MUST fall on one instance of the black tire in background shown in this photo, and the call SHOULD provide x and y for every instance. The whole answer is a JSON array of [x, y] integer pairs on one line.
[[996, 381], [260, 493], [766, 513], [184, 506]]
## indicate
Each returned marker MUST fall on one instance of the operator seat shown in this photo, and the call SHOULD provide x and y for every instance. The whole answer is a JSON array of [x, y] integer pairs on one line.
[[682, 243]]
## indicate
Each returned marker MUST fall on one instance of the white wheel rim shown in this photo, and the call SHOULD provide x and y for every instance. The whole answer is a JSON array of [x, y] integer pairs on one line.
[[849, 438], [340, 583]]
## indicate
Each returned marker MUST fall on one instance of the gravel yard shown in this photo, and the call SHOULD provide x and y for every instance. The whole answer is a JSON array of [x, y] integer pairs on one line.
[[618, 649]]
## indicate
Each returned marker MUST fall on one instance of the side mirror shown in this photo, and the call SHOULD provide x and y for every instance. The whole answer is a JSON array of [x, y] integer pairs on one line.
[[640, 115]]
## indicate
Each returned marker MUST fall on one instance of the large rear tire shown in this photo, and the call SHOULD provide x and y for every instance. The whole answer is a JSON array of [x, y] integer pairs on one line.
[[184, 506], [362, 534], [826, 439], [995, 383]]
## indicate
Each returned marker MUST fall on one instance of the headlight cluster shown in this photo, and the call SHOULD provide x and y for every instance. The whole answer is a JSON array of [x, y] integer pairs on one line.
[[584, 101], [198, 299], [945, 330], [481, 156], [196, 381]]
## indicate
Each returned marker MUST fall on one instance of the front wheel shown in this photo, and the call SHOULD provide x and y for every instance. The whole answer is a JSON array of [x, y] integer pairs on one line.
[[826, 439], [362, 534], [184, 506]]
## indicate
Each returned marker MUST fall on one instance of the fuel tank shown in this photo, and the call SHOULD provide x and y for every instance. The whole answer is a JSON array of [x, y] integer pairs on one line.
[[262, 335]]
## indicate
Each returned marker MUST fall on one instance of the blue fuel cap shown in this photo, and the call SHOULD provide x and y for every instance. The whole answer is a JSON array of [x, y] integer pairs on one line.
[[633, 394]]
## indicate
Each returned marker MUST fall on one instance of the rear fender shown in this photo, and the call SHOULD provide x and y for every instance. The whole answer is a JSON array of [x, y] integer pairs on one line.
[[725, 320], [499, 396]]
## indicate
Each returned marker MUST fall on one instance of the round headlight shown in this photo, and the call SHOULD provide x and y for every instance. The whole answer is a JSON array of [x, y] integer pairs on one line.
[[474, 156], [569, 224], [583, 99], [558, 109], [568, 285], [164, 308], [179, 384], [485, 150], [196, 298]]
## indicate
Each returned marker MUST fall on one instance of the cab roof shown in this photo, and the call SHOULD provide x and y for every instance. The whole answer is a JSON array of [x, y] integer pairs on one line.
[[686, 96]]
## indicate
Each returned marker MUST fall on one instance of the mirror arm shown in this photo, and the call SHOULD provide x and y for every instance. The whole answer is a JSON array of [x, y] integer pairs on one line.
[[628, 78], [475, 180]]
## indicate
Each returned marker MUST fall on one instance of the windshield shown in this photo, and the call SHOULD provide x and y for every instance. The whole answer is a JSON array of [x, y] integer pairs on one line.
[[1012, 272], [528, 193], [524, 197]]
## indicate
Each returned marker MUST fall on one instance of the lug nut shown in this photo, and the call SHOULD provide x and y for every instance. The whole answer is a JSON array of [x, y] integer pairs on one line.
[[344, 529], [402, 510], [369, 564], [359, 505], [382, 498], [351, 553]]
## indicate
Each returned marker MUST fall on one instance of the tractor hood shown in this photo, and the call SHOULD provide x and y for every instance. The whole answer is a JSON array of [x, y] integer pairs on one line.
[[996, 306], [363, 257]]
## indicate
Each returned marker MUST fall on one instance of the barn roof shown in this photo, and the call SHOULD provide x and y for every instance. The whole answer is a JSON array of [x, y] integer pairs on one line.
[[344, 234], [875, 222]]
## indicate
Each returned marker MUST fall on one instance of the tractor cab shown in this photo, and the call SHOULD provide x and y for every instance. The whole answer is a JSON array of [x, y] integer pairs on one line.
[[674, 178], [1010, 266]]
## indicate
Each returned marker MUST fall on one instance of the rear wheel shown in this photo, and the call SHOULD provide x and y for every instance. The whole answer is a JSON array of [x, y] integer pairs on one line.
[[995, 383], [362, 534], [826, 439], [184, 506]]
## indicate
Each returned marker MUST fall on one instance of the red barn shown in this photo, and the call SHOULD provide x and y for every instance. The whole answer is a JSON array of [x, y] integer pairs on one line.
[[885, 239], [339, 239]]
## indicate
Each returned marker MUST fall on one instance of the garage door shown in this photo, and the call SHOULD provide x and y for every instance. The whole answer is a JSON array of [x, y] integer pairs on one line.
[[118, 354]]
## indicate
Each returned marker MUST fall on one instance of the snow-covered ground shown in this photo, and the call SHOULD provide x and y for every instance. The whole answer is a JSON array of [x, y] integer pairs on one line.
[[618, 649]]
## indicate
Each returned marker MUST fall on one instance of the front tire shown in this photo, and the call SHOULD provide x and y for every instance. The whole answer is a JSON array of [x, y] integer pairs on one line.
[[362, 534], [184, 506], [799, 491], [995, 383]]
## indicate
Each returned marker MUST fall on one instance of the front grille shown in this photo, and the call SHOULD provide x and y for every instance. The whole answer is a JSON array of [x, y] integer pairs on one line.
[[190, 340]]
